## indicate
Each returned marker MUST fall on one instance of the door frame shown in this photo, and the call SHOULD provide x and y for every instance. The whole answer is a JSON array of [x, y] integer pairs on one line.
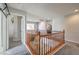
[[24, 19]]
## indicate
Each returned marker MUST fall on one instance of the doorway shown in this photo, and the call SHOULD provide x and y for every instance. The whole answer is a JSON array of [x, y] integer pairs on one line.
[[14, 31]]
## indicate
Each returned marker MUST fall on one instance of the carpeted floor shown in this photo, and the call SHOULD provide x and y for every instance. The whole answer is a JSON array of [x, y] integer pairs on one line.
[[13, 44], [70, 48]]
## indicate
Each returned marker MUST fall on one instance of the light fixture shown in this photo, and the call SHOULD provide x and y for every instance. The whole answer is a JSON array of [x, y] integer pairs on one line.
[[76, 10]]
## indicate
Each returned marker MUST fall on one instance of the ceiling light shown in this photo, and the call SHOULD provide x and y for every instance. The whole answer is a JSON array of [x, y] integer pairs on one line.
[[76, 10]]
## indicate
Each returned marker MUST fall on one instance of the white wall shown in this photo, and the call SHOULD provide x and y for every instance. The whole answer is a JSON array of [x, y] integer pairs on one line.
[[17, 11], [0, 32], [32, 18], [0, 28], [35, 18], [14, 30], [3, 34], [12, 26], [72, 28], [58, 24]]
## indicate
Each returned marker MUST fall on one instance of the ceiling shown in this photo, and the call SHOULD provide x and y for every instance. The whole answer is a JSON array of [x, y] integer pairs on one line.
[[48, 10]]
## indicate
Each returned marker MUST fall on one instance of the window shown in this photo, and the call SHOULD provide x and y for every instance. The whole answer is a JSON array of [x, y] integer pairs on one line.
[[30, 26]]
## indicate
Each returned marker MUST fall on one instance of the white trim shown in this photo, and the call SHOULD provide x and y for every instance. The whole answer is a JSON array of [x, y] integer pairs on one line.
[[72, 41]]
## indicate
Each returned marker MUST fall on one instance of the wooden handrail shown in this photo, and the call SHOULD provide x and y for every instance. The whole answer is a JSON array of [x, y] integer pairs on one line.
[[46, 49]]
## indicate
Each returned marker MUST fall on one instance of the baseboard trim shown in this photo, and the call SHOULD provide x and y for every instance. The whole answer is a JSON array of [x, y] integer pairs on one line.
[[72, 41]]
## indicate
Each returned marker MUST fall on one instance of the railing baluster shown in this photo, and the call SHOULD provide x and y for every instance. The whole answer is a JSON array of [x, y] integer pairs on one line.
[[43, 45], [43, 42], [39, 42], [41, 51], [47, 45]]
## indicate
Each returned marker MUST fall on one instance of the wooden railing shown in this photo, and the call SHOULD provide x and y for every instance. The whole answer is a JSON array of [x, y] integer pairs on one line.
[[47, 43]]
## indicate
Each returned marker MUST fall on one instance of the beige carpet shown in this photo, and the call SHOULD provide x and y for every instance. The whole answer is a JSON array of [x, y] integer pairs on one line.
[[69, 49]]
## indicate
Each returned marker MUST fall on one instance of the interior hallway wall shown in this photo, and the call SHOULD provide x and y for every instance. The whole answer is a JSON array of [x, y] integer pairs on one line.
[[11, 26], [58, 24], [0, 31], [72, 28], [3, 27]]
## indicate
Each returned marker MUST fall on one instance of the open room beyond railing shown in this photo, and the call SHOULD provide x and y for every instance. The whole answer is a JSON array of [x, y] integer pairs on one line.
[[45, 44]]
